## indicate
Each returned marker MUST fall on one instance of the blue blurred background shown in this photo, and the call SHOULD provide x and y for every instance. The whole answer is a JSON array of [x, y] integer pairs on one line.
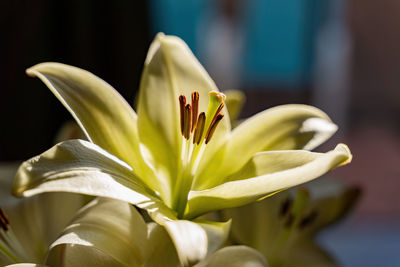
[[341, 56]]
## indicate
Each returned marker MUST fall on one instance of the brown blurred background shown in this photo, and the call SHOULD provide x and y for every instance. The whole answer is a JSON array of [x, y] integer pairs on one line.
[[341, 56]]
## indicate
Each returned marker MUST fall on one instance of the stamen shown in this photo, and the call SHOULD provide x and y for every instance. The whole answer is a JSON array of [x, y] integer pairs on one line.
[[182, 103], [219, 108], [187, 121], [195, 108], [198, 132], [4, 221], [213, 126]]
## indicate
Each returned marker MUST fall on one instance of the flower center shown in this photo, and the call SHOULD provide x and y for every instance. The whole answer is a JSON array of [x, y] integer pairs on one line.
[[197, 131], [10, 247]]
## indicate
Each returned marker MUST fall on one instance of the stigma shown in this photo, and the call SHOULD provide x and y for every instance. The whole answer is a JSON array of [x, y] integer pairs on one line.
[[200, 127]]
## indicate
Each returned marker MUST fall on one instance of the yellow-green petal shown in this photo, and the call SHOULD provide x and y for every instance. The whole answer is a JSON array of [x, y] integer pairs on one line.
[[103, 114], [82, 167], [284, 127], [46, 221], [331, 200], [266, 173], [235, 256], [190, 240], [25, 265], [160, 250], [113, 227], [170, 70], [305, 253], [79, 255], [196, 239], [258, 224], [217, 233], [234, 102]]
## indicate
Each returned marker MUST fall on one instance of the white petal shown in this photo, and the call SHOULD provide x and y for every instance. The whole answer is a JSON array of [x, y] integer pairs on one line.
[[235, 256], [81, 167], [113, 227]]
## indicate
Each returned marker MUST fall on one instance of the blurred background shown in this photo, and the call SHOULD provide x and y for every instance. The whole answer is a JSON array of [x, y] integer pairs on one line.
[[341, 56]]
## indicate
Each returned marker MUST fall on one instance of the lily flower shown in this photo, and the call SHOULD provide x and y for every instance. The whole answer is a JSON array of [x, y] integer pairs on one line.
[[29, 226], [177, 157], [283, 227]]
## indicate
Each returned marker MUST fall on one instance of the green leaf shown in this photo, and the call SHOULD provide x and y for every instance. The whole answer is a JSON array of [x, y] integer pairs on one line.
[[81, 167], [235, 256], [113, 227], [266, 173], [104, 116], [284, 127]]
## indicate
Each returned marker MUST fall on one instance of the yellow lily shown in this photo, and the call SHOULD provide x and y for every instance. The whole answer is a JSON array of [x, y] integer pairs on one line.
[[177, 159]]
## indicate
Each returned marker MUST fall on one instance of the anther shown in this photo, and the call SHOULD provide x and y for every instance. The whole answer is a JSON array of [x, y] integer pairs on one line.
[[285, 207], [308, 219], [213, 126], [198, 132], [195, 109], [182, 103], [4, 221], [187, 124], [217, 112]]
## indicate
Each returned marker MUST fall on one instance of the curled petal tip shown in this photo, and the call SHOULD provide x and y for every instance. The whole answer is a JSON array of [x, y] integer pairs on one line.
[[30, 72], [345, 150]]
